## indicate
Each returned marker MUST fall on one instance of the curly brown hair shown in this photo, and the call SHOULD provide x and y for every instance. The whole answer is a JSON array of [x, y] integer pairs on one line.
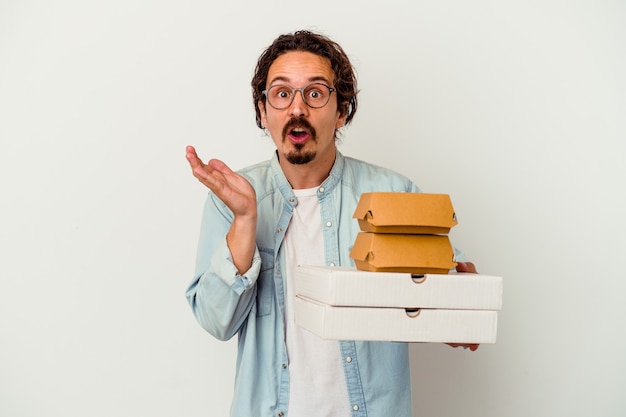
[[303, 40]]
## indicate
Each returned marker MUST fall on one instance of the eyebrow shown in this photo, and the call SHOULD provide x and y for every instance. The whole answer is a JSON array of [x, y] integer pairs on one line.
[[312, 80]]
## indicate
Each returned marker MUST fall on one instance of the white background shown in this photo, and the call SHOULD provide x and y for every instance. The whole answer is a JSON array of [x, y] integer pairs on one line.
[[515, 109]]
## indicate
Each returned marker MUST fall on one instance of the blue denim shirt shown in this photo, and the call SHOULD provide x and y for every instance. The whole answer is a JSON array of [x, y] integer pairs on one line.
[[252, 305]]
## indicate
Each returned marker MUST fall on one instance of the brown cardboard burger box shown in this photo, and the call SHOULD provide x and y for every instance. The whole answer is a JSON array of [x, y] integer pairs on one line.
[[418, 254], [404, 232], [405, 213]]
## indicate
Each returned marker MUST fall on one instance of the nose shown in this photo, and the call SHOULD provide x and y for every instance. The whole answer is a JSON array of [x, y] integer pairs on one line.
[[298, 107]]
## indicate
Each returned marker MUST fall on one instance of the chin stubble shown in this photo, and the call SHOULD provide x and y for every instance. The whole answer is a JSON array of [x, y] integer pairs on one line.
[[299, 157]]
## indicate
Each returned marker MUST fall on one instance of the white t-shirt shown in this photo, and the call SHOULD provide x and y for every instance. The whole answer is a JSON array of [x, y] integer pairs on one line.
[[317, 382]]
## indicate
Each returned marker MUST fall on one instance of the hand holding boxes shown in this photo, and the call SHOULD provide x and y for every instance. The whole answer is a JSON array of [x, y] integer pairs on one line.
[[399, 290]]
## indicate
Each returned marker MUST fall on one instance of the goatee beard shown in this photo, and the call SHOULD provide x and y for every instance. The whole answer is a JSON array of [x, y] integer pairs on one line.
[[299, 157]]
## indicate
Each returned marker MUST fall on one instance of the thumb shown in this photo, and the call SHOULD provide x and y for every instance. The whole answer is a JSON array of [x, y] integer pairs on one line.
[[220, 166]]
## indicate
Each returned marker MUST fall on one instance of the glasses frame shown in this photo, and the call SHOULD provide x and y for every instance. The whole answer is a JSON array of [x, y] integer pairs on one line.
[[331, 90]]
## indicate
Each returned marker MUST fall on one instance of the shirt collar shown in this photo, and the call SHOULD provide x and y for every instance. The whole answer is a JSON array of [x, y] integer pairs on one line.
[[334, 177]]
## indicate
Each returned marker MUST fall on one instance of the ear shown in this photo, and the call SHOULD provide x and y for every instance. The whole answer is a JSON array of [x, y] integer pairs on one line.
[[263, 114], [343, 114]]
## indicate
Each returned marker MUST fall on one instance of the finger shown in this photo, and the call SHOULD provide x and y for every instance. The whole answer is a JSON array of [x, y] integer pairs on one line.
[[213, 171], [201, 171], [466, 267], [208, 176], [220, 166], [190, 151], [192, 157], [470, 346]]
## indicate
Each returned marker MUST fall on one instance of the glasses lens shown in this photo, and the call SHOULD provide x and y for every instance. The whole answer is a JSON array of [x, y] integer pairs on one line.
[[280, 96], [317, 95]]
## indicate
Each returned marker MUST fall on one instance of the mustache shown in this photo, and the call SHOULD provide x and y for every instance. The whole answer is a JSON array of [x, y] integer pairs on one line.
[[298, 122]]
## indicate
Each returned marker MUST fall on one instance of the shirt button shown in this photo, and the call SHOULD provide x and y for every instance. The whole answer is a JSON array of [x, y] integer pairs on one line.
[[284, 366], [281, 414], [331, 264], [329, 224], [322, 189], [348, 359], [355, 407]]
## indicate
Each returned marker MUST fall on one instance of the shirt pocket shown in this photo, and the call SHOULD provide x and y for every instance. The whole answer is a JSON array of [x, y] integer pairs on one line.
[[265, 284]]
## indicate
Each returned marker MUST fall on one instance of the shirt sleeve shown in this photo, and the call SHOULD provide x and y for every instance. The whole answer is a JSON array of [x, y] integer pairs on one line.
[[219, 296], [459, 256]]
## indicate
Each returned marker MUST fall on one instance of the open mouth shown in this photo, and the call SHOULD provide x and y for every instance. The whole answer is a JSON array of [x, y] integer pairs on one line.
[[298, 131], [298, 134]]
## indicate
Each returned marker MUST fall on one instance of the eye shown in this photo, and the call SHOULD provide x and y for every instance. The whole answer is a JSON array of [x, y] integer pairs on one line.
[[315, 93], [280, 92]]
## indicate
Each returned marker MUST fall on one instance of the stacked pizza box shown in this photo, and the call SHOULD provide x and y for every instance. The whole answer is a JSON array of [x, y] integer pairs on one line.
[[402, 288]]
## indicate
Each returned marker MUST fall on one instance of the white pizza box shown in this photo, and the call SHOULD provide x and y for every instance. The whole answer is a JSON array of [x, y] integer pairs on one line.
[[347, 286], [396, 324]]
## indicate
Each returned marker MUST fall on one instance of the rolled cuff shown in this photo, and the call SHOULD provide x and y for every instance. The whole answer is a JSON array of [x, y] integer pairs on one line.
[[224, 267]]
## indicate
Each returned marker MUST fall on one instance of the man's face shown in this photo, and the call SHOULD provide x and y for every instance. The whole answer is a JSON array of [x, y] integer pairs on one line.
[[302, 134]]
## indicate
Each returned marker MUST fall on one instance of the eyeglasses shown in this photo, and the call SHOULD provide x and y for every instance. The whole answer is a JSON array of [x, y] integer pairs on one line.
[[315, 95]]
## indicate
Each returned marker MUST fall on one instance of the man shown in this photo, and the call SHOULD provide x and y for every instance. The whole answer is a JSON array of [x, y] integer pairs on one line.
[[296, 208]]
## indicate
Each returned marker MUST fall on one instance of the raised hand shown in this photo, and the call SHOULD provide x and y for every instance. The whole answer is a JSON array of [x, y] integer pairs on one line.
[[239, 195], [233, 189]]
